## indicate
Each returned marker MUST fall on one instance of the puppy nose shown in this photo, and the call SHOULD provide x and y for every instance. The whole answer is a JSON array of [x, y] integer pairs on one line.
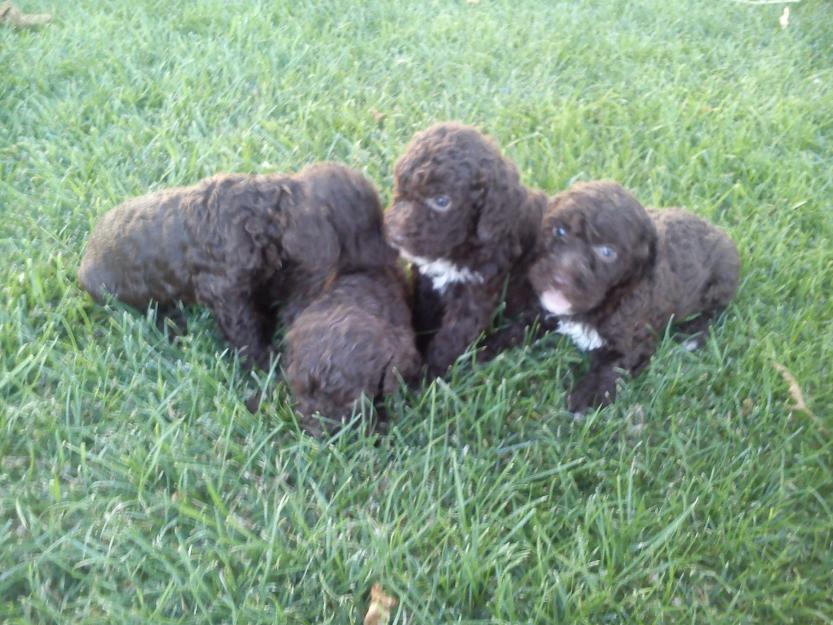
[[394, 222], [569, 260], [391, 234], [559, 280], [394, 240]]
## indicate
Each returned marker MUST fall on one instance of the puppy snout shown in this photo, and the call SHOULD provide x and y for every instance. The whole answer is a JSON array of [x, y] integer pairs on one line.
[[559, 280], [570, 261], [393, 235], [396, 221], [560, 271]]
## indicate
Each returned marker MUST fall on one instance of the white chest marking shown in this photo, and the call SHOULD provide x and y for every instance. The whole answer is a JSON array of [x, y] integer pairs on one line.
[[584, 336], [443, 272]]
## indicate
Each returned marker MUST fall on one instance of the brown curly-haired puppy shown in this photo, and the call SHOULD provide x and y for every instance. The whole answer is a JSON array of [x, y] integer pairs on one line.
[[353, 340], [340, 230], [233, 242], [461, 215], [615, 275]]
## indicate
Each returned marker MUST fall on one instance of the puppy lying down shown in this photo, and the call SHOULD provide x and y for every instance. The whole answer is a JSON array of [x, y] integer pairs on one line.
[[232, 242], [615, 275], [354, 340], [350, 337]]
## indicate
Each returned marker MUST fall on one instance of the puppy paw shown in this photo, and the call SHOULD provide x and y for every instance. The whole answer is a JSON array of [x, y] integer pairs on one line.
[[172, 322], [257, 358], [436, 365], [435, 373], [487, 354], [253, 402], [589, 394]]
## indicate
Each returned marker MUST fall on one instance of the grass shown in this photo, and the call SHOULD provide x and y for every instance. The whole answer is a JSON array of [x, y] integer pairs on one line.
[[136, 488]]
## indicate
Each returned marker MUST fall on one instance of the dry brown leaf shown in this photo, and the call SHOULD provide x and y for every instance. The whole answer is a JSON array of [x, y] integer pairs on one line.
[[797, 396], [378, 612], [784, 20], [377, 115], [795, 389], [11, 15]]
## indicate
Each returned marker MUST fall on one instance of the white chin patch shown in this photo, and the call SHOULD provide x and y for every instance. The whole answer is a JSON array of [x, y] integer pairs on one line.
[[442, 272], [555, 302], [584, 336]]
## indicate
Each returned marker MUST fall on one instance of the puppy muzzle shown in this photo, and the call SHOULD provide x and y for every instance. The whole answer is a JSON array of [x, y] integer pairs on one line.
[[397, 218]]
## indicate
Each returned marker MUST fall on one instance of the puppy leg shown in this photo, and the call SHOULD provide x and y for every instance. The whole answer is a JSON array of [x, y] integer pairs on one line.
[[171, 321], [243, 327], [528, 325], [598, 387], [427, 311], [717, 293], [607, 367], [500, 341], [239, 317], [693, 333], [467, 312]]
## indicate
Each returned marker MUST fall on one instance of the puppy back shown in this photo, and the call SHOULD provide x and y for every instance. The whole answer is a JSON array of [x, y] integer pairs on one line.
[[136, 251], [698, 254]]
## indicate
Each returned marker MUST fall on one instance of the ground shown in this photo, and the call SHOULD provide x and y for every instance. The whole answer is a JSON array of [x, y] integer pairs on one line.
[[135, 487]]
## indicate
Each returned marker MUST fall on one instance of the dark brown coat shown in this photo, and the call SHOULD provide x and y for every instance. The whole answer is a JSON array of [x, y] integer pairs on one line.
[[461, 215], [354, 340], [615, 275], [236, 243]]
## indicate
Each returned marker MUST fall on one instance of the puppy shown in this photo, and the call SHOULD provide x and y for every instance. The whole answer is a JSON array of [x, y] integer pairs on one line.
[[461, 215], [353, 340], [354, 337], [233, 242], [615, 275]]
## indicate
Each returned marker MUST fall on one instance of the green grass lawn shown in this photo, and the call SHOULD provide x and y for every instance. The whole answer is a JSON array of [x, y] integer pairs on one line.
[[135, 487]]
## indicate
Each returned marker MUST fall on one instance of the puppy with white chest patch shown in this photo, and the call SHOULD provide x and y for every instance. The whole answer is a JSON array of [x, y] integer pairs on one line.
[[461, 215], [615, 275]]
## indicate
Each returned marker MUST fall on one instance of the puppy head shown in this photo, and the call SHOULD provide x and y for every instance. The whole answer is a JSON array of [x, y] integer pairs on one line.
[[339, 221], [341, 351], [452, 190], [596, 237]]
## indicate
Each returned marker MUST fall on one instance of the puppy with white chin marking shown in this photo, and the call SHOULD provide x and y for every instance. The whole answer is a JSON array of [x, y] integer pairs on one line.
[[615, 275], [461, 215]]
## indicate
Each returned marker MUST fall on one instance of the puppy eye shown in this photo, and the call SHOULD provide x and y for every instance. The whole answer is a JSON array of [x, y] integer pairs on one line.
[[559, 231], [441, 203], [605, 252]]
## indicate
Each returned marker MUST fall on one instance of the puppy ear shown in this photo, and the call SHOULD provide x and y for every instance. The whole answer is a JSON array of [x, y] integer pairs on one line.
[[310, 239], [254, 227], [263, 205], [501, 198], [647, 249]]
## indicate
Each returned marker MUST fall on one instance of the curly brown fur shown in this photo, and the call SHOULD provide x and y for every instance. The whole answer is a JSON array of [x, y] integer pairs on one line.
[[462, 216], [339, 229], [236, 243], [615, 275], [353, 340]]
